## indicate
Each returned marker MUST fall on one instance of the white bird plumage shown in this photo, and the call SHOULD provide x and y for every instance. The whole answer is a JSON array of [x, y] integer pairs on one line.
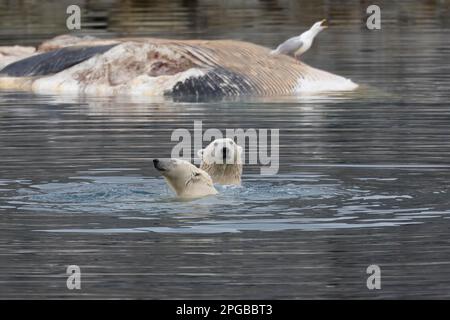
[[296, 46]]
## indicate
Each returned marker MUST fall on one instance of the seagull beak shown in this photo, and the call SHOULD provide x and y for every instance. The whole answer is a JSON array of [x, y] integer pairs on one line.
[[324, 23]]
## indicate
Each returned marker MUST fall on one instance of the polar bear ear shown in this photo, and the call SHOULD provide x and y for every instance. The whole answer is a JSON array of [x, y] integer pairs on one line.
[[200, 153]]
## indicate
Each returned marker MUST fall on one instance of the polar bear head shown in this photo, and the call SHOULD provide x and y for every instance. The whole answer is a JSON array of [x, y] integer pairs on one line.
[[222, 160], [184, 178]]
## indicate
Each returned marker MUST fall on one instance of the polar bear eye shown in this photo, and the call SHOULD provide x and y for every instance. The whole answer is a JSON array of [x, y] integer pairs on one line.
[[196, 174]]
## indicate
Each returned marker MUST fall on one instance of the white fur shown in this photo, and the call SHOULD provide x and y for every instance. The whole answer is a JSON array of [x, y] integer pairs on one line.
[[185, 179], [222, 170]]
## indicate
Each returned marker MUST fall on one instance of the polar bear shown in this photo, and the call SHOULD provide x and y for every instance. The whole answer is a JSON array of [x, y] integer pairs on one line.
[[222, 160], [184, 178]]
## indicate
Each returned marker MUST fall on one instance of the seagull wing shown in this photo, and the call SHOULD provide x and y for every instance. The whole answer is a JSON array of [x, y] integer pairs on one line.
[[290, 46]]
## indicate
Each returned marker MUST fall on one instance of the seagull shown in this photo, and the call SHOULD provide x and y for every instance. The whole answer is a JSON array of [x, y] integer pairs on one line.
[[296, 46]]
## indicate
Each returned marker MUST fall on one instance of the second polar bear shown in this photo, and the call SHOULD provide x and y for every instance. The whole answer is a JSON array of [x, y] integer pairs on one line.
[[222, 160], [184, 178]]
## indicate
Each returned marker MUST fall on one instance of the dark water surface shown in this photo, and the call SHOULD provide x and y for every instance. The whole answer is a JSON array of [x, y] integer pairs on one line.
[[364, 176]]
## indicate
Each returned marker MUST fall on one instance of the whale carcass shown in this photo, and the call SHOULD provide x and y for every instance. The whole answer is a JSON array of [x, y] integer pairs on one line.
[[155, 67]]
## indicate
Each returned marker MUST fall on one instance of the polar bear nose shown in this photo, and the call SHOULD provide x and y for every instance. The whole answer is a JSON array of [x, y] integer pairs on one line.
[[157, 164], [224, 152], [160, 165]]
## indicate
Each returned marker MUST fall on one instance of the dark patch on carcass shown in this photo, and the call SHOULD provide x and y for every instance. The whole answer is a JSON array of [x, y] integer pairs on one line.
[[163, 65], [217, 82], [125, 68], [52, 62]]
